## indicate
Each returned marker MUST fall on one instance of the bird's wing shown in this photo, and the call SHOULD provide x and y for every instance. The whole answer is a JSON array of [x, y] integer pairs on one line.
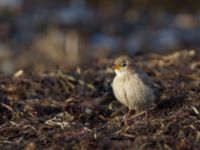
[[146, 80], [144, 77]]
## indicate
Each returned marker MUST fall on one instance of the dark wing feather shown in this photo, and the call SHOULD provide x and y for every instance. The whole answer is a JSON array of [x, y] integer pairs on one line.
[[146, 79]]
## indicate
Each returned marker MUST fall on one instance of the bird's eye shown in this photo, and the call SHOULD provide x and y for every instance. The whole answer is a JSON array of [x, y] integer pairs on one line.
[[124, 65]]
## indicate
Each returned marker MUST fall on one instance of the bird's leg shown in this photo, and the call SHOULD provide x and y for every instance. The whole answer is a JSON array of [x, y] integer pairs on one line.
[[146, 116], [127, 117]]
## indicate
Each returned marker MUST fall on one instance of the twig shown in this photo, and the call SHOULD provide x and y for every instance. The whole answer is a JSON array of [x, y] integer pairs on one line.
[[195, 110], [8, 107], [141, 113], [7, 142]]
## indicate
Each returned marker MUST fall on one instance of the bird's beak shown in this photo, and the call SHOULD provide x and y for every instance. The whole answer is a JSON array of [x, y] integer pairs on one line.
[[116, 67]]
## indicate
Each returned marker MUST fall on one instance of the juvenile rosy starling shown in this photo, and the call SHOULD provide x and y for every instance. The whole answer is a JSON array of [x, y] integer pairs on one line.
[[132, 86]]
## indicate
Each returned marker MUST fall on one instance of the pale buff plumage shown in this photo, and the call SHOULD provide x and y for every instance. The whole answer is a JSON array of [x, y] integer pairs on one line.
[[132, 87]]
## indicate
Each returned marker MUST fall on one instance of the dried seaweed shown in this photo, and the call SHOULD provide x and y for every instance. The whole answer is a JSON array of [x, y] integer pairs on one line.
[[77, 110]]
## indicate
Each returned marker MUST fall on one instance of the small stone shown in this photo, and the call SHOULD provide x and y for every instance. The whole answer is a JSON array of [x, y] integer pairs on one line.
[[88, 110], [30, 146]]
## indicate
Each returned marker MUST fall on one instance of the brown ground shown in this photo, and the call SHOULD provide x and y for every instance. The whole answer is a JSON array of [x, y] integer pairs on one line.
[[77, 110]]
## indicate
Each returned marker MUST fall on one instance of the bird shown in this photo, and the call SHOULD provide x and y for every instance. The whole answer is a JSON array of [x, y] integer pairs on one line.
[[132, 86]]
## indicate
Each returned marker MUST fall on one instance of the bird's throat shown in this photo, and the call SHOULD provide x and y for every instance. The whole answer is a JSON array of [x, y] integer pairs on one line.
[[120, 72]]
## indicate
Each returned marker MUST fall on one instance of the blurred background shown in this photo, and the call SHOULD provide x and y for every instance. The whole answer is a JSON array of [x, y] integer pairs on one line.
[[42, 35]]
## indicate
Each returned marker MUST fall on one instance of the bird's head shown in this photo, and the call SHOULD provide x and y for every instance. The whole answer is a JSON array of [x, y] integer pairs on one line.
[[122, 65]]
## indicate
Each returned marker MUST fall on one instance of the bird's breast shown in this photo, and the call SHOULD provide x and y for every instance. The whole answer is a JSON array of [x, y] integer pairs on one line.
[[119, 90], [131, 91]]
